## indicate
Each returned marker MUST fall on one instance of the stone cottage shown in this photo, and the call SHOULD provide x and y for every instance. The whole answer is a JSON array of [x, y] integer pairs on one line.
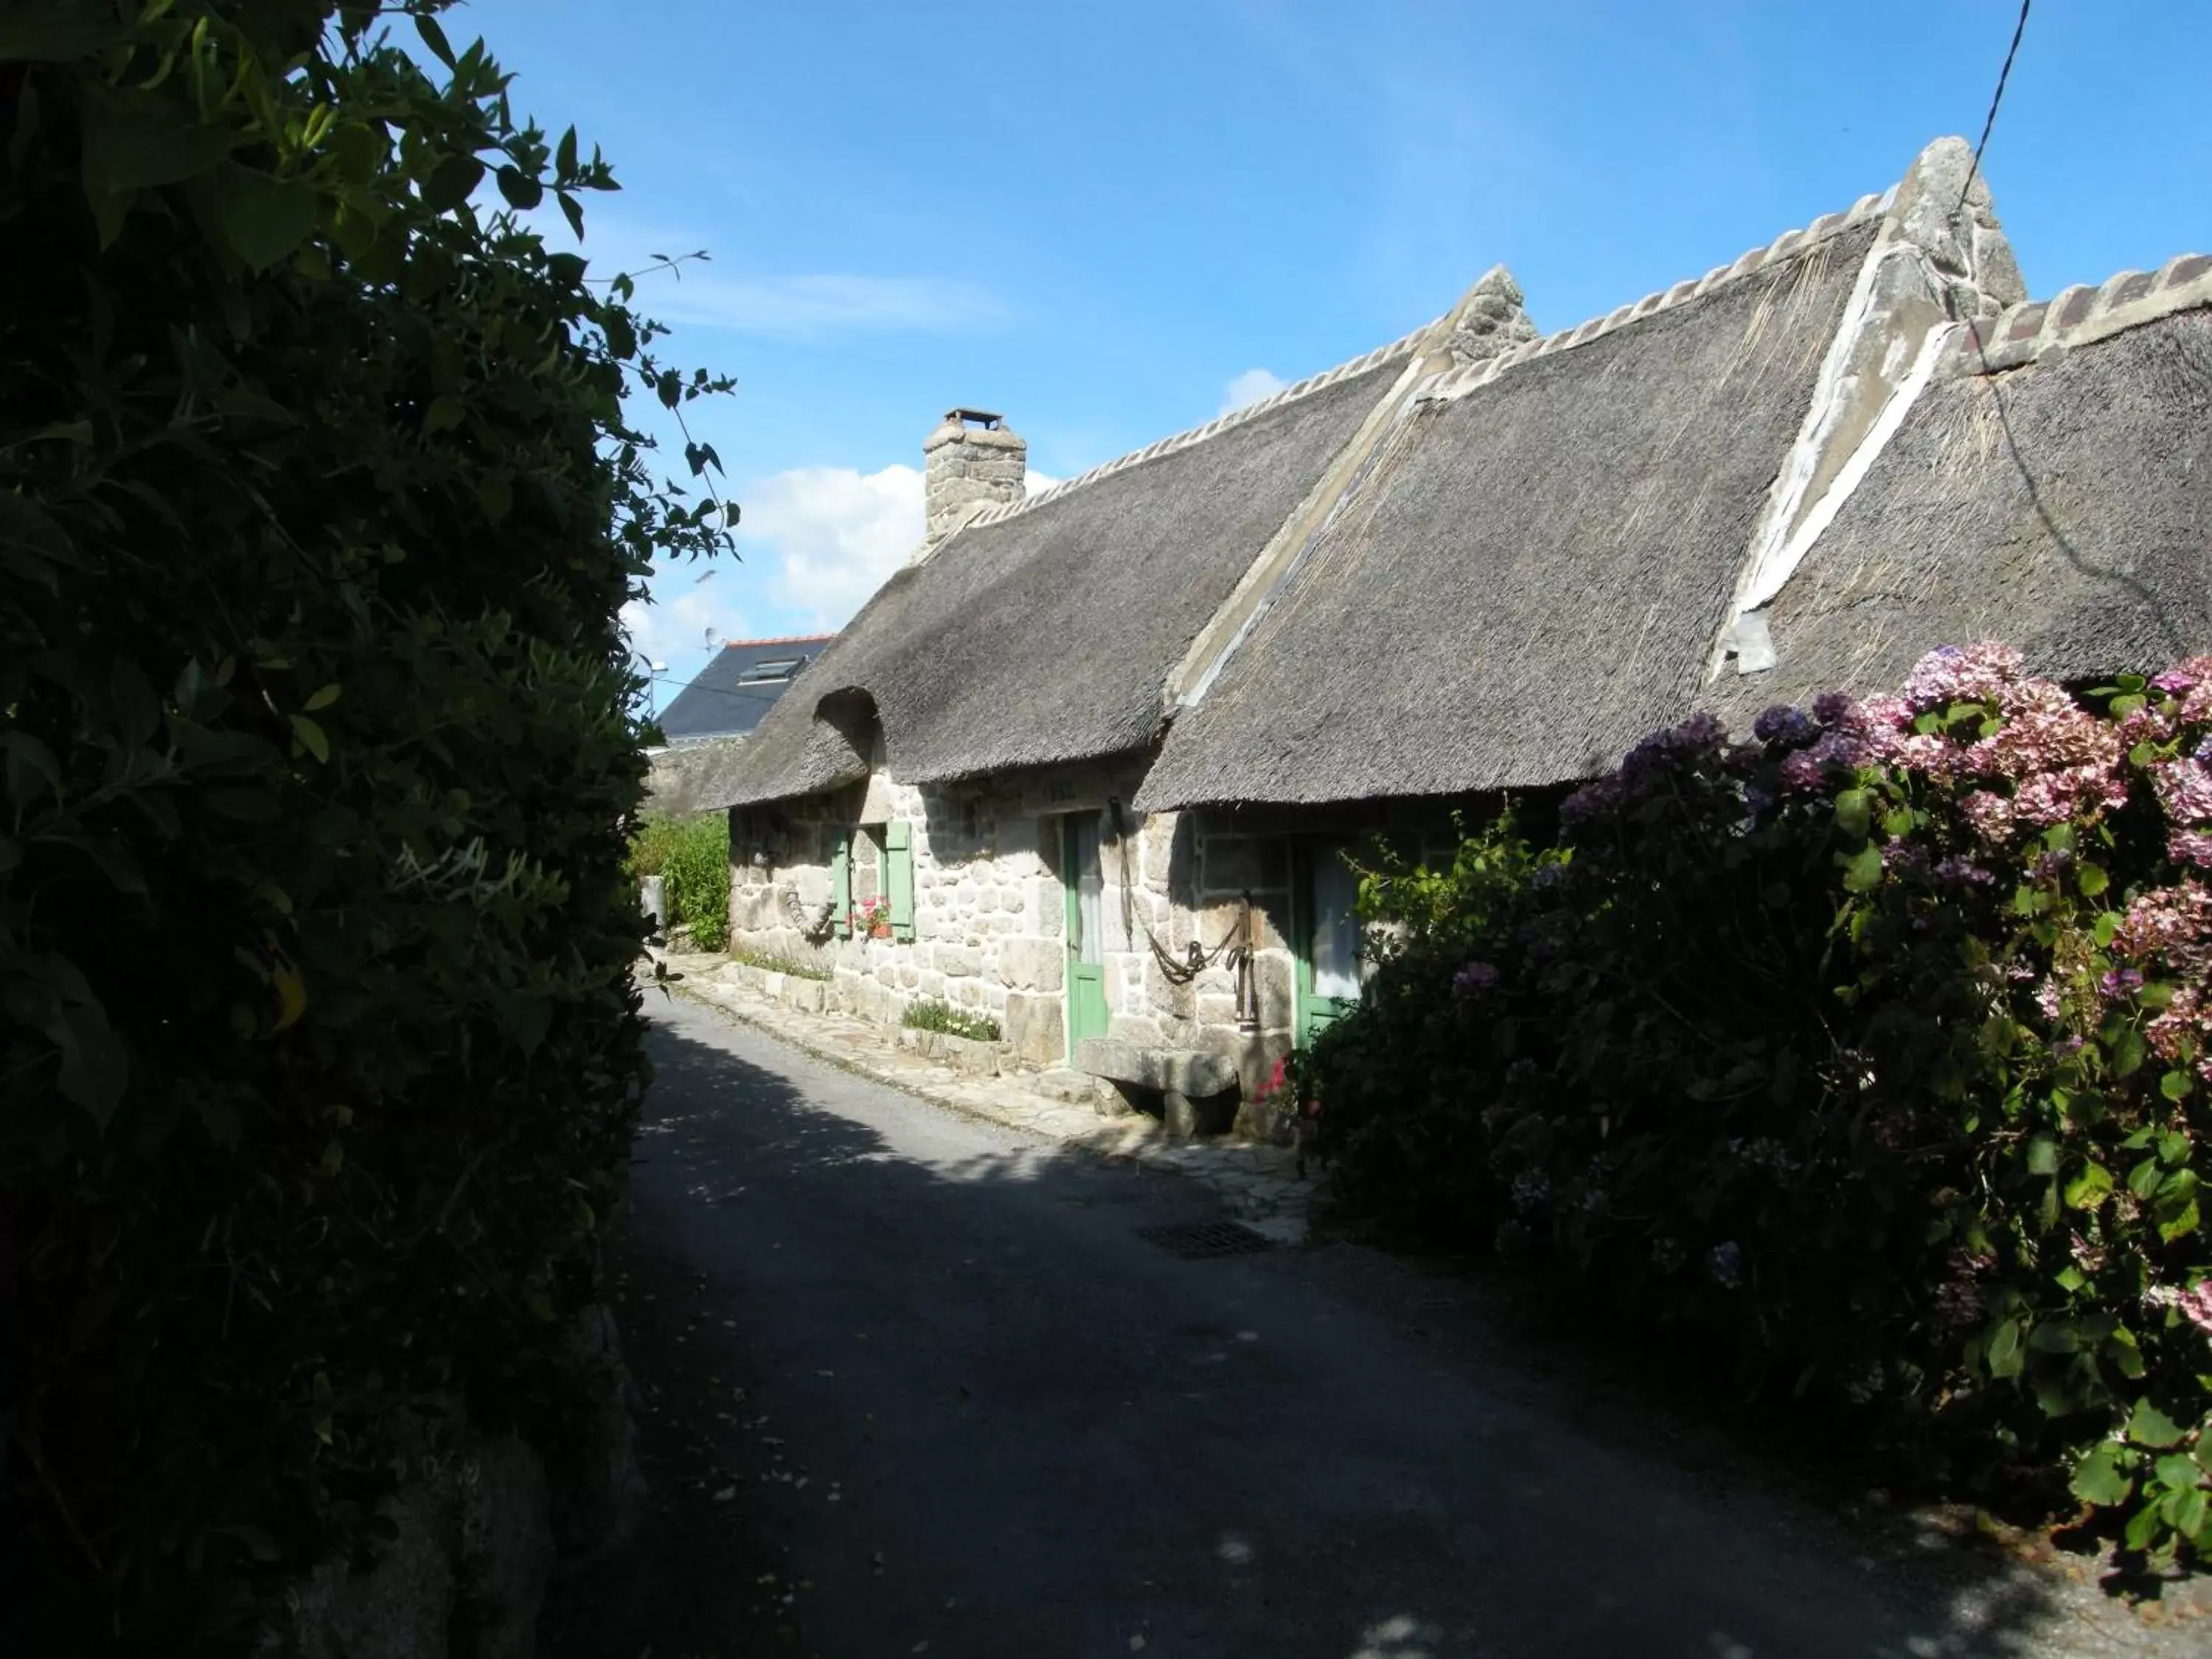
[[1089, 762]]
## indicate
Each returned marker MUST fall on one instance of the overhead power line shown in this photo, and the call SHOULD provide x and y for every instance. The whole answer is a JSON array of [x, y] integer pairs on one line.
[[1989, 124]]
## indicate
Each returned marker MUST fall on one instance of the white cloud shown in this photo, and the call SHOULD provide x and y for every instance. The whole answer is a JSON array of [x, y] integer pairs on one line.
[[1035, 483], [815, 543], [831, 535], [688, 600], [1249, 387]]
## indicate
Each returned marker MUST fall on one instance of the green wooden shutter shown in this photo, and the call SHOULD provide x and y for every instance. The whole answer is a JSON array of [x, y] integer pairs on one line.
[[898, 877], [841, 885]]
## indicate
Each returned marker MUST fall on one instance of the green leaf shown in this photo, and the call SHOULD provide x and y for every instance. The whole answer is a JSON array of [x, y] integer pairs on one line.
[[311, 737], [495, 497], [2143, 1178], [2180, 1223], [2152, 1427], [133, 140], [452, 182], [573, 210], [2042, 1155], [1854, 812], [1862, 870], [323, 699], [2126, 1051], [2143, 1527], [2106, 928], [521, 190], [2089, 1189], [2176, 1470], [435, 37], [265, 218], [2099, 1480], [443, 415], [2174, 1085], [564, 158], [2187, 1509], [59, 32], [2001, 1352], [2090, 879]]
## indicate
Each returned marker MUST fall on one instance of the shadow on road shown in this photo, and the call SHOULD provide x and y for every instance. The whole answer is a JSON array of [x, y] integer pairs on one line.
[[913, 1386]]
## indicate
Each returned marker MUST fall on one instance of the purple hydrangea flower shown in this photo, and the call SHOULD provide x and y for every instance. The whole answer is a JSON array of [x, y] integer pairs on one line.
[[1703, 730], [1725, 1263], [1831, 706], [1473, 980], [1958, 871], [1784, 723], [1532, 1191], [2121, 982], [2173, 680]]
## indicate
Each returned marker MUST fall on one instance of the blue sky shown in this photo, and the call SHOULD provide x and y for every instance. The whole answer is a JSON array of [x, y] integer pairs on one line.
[[1107, 222]]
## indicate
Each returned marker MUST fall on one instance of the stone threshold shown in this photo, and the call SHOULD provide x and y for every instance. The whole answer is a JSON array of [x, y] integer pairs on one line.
[[1257, 1184]]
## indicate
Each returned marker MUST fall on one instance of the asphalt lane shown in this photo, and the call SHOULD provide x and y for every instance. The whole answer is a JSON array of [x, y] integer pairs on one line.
[[916, 1386]]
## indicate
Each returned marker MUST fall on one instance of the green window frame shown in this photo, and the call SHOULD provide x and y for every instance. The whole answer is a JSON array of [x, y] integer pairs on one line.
[[898, 877]]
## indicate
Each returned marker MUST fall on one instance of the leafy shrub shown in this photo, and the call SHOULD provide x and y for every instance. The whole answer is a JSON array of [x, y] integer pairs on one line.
[[692, 857], [790, 965], [1874, 1051], [935, 1014], [319, 1052]]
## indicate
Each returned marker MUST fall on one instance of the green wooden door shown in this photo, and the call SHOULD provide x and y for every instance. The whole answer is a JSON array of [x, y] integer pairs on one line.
[[1084, 881], [1325, 922]]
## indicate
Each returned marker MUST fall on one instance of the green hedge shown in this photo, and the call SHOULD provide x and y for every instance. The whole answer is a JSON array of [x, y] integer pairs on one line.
[[319, 1052], [691, 855], [1871, 1053]]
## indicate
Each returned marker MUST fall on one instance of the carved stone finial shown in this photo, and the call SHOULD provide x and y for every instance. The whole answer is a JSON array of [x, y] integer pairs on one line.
[[1488, 319]]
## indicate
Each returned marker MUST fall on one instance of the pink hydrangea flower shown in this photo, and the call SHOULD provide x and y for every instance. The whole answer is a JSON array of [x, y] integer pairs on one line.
[[1949, 674], [2190, 847], [2194, 1304], [2185, 789], [2172, 924], [1990, 814]]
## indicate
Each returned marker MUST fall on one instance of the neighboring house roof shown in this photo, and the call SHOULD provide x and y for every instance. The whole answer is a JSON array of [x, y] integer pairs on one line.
[[739, 685], [1042, 632], [2060, 499]]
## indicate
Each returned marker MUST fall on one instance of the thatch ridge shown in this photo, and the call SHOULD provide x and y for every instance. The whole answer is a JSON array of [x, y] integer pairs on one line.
[[1789, 244], [2082, 315], [1401, 347]]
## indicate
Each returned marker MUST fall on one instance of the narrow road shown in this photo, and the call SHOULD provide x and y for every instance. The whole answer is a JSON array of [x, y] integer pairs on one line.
[[917, 1386]]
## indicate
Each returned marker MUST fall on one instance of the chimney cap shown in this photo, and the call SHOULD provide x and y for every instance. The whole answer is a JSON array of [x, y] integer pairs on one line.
[[985, 418]]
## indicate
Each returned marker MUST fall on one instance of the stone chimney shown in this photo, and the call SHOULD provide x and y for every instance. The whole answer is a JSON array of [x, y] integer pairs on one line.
[[971, 461]]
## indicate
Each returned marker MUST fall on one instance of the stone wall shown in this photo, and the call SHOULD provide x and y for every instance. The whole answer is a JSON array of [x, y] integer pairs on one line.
[[990, 931]]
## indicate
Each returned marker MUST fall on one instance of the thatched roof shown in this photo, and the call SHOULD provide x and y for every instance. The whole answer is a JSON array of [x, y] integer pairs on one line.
[[1042, 632], [2064, 506], [1533, 576]]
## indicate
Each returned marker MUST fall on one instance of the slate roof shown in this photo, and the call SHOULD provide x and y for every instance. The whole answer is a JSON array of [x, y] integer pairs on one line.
[[739, 685]]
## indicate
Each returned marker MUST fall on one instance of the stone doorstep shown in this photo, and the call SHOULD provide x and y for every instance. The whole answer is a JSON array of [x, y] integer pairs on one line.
[[1253, 1180]]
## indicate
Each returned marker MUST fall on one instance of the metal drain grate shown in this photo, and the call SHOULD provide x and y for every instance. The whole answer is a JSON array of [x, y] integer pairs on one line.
[[1194, 1240]]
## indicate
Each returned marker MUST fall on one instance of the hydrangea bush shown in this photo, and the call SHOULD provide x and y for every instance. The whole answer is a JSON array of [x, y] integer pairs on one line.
[[1875, 1049]]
